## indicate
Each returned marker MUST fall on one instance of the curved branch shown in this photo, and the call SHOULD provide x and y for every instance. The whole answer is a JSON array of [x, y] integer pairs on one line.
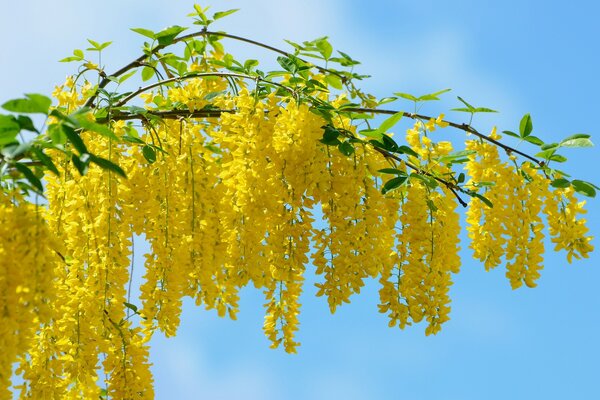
[[463, 127], [138, 62], [200, 75], [169, 114]]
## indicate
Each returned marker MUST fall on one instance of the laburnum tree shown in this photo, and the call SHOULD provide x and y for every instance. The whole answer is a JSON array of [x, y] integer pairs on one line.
[[237, 176]]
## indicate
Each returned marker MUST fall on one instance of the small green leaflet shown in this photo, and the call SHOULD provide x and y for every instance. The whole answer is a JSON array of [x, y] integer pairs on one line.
[[107, 164], [393, 171], [471, 109], [584, 188], [560, 183], [149, 154], [577, 140], [526, 126], [425, 97], [145, 32], [394, 183], [390, 122], [98, 46], [32, 104], [30, 176], [221, 14], [346, 148], [168, 35], [132, 307]]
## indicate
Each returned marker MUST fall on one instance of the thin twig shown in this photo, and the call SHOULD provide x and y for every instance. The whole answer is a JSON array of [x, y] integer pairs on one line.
[[200, 75], [464, 127], [140, 61]]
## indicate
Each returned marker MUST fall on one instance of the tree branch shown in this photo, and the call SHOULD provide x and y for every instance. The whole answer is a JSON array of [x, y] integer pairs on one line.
[[200, 75], [463, 127]]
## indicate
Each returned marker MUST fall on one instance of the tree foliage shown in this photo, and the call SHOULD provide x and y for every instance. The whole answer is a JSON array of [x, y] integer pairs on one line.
[[238, 176]]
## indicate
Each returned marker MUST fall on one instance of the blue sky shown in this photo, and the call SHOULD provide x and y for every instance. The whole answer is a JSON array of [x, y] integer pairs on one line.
[[537, 56]]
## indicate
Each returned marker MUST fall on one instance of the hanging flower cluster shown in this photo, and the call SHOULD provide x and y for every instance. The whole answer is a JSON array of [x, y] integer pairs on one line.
[[234, 178]]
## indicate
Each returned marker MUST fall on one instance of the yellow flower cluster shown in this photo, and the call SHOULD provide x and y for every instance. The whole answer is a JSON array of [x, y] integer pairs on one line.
[[27, 294], [416, 285], [249, 197], [513, 228]]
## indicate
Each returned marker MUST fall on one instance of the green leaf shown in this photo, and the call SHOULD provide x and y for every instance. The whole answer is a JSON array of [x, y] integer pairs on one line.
[[470, 107], [483, 110], [577, 142], [534, 140], [386, 100], [389, 143], [249, 65], [330, 136], [374, 133], [168, 35], [510, 133], [45, 160], [145, 32], [431, 205], [132, 307], [334, 81], [221, 14], [288, 64], [394, 183], [81, 163], [455, 157], [461, 178], [30, 176], [32, 104], [393, 171], [427, 180], [407, 150], [78, 53], [560, 183], [147, 73], [70, 59], [26, 123], [347, 60], [526, 126], [546, 153], [549, 146], [584, 188], [485, 200], [390, 122], [128, 75], [432, 96], [107, 164], [95, 127], [578, 136], [346, 148], [9, 129], [149, 154], [324, 48], [75, 139], [97, 46], [558, 158], [406, 96]]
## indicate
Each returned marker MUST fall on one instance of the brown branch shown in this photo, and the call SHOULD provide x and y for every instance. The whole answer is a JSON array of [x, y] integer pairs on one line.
[[200, 75], [464, 127], [169, 114], [138, 62]]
